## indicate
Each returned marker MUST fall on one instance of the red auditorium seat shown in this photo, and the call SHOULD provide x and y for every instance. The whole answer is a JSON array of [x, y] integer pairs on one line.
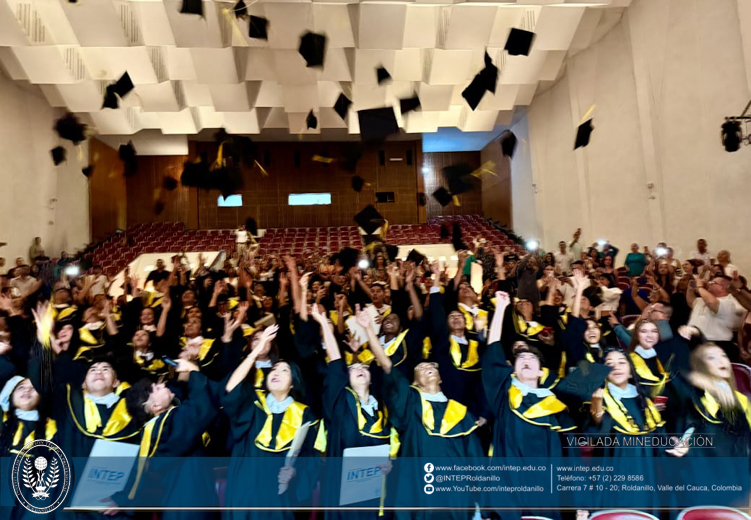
[[621, 514], [712, 513], [742, 375]]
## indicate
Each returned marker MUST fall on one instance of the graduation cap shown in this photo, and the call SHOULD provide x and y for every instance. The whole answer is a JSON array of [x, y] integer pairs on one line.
[[88, 171], [251, 226], [582, 381], [445, 233], [391, 251], [456, 238], [341, 106], [127, 155], [416, 257], [484, 81], [240, 9], [422, 199], [348, 258], [192, 7], [313, 48], [409, 104], [377, 123], [121, 87], [583, 133], [443, 196], [508, 144], [459, 178], [68, 127], [369, 219], [169, 183], [258, 28], [382, 75], [358, 183], [311, 121], [195, 172], [519, 42], [58, 155]]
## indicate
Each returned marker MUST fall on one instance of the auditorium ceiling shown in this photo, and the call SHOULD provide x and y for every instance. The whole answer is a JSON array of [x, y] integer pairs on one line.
[[194, 73]]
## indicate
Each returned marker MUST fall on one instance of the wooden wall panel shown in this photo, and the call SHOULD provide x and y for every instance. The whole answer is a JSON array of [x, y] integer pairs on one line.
[[107, 194], [432, 164], [144, 187]]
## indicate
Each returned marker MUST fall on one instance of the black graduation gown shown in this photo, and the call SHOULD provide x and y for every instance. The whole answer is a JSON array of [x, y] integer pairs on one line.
[[266, 437], [452, 435], [173, 444], [460, 365], [623, 418], [525, 426], [347, 426]]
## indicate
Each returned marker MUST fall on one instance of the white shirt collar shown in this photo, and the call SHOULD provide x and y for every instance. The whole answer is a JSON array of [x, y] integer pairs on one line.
[[263, 364], [526, 389], [94, 326], [645, 353], [107, 400], [383, 341], [595, 345], [629, 393], [148, 356], [371, 406], [195, 342], [277, 406], [434, 398], [149, 328], [462, 341]]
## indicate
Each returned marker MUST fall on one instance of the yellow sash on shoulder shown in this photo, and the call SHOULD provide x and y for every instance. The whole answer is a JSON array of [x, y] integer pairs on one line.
[[455, 413], [624, 422], [50, 429], [469, 317], [471, 363], [549, 405], [119, 419], [377, 427], [291, 422]]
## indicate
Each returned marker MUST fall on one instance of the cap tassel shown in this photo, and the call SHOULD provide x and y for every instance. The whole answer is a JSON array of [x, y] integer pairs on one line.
[[586, 116], [456, 201], [219, 163], [487, 167], [263, 172], [235, 29]]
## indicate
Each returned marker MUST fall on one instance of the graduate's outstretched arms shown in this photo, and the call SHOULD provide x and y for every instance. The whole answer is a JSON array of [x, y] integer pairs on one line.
[[580, 283], [502, 301], [409, 283], [375, 344], [304, 296], [161, 327], [332, 348], [241, 372]]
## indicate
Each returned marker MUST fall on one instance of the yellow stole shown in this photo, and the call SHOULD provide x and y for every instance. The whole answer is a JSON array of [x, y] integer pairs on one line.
[[291, 422], [550, 405], [711, 406], [154, 364], [119, 419], [203, 351], [469, 317], [427, 346], [473, 358], [454, 414], [50, 429], [524, 328], [334, 316], [366, 357], [624, 422], [88, 338], [646, 375], [63, 313], [145, 450], [377, 427]]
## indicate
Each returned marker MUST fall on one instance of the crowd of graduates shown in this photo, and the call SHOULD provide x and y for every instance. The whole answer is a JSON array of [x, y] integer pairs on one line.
[[232, 362]]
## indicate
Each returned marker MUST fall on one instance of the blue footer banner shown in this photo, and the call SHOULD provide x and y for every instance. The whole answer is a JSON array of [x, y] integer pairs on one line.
[[403, 483]]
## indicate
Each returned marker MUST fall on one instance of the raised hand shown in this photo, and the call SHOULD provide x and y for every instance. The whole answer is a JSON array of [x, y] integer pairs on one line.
[[166, 303], [315, 312], [304, 282], [362, 317], [502, 300], [269, 333], [410, 277], [580, 281]]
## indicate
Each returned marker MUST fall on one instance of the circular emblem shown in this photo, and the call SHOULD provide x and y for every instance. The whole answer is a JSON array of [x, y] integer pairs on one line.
[[41, 476]]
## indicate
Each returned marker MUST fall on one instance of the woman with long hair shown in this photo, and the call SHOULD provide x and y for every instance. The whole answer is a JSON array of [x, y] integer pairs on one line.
[[264, 424], [652, 374]]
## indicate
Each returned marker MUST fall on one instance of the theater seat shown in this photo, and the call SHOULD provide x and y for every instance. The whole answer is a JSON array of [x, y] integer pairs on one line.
[[712, 513], [621, 514], [742, 375]]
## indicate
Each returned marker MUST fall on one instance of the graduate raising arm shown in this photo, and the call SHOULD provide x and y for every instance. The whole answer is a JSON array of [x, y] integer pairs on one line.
[[241, 372]]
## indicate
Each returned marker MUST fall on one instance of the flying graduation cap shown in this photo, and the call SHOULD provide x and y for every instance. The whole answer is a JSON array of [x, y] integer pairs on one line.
[[341, 106], [382, 75], [519, 42], [311, 122], [169, 183], [369, 219], [409, 104], [58, 155], [508, 144], [460, 179], [377, 123], [583, 134], [240, 9], [358, 183], [443, 196], [120, 88], [68, 127], [313, 48], [88, 171], [127, 153], [484, 81], [258, 28], [192, 7], [416, 257]]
